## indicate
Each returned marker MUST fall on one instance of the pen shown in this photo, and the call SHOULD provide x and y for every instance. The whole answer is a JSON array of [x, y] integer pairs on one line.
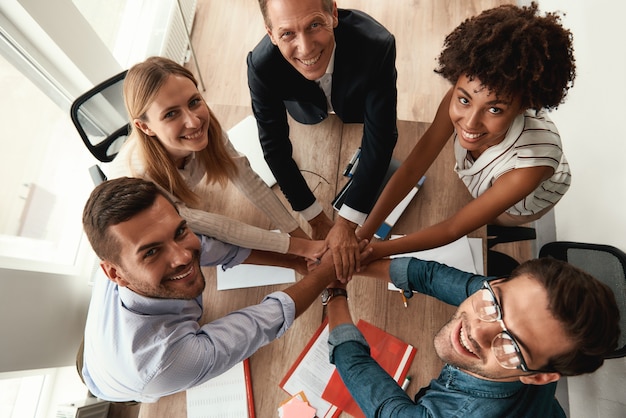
[[406, 305], [353, 160], [353, 169], [406, 383]]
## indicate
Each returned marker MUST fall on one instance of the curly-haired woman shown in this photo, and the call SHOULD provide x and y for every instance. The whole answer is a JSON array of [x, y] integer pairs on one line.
[[507, 65]]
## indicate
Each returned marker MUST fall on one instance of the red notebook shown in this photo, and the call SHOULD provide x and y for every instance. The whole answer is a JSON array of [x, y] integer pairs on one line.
[[322, 384]]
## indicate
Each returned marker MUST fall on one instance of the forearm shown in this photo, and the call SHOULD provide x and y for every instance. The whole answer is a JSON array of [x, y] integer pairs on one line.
[[413, 168], [305, 247], [299, 233], [396, 189], [258, 192], [338, 312], [307, 290], [233, 231], [469, 218], [378, 269], [269, 258], [380, 131], [448, 284], [289, 178], [370, 173], [321, 225], [379, 139], [373, 389], [201, 354], [424, 239]]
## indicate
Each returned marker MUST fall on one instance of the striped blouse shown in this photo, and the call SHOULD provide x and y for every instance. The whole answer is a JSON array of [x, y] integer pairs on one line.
[[129, 163], [531, 141]]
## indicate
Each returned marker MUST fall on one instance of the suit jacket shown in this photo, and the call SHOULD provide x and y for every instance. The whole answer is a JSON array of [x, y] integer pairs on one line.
[[363, 91]]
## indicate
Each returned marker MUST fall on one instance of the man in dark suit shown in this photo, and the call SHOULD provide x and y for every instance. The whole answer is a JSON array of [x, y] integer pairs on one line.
[[315, 59]]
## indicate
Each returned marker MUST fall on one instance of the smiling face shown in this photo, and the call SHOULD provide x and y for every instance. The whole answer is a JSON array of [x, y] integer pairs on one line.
[[159, 255], [303, 32], [465, 341], [178, 117], [480, 118]]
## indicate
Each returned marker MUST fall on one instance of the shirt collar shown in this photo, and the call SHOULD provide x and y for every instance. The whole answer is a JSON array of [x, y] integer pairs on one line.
[[452, 377], [154, 306]]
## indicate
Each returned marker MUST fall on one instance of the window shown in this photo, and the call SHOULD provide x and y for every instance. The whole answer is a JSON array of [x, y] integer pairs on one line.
[[44, 167]]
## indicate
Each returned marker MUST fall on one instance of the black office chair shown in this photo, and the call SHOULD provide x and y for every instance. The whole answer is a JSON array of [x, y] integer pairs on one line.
[[499, 263], [100, 117], [605, 263]]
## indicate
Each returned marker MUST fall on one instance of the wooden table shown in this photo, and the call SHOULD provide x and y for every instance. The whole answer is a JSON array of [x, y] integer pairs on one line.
[[324, 150]]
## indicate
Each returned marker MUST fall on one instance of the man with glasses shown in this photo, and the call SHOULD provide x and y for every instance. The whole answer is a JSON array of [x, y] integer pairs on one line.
[[508, 343]]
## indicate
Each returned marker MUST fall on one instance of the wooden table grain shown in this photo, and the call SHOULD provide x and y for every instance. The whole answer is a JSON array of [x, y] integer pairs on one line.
[[323, 150]]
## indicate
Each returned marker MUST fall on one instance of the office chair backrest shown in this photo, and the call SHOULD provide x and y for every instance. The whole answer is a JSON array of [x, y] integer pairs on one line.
[[100, 118], [605, 263]]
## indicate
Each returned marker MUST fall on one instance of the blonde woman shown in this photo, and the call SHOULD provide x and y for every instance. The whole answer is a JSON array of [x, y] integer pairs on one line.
[[178, 143]]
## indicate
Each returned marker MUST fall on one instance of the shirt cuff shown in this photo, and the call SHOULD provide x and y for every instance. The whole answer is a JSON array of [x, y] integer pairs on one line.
[[343, 333], [288, 307], [352, 215], [398, 272], [242, 255], [215, 252], [312, 211]]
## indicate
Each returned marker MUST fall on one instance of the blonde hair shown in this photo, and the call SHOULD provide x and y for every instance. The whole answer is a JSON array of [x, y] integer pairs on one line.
[[141, 85]]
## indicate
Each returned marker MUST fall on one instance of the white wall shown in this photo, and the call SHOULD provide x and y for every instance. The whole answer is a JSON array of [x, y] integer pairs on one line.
[[590, 123]]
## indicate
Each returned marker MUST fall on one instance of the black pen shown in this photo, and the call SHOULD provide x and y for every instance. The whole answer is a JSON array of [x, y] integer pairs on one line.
[[353, 160]]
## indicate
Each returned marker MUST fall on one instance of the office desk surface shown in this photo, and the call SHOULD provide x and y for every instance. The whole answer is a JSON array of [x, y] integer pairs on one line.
[[324, 150]]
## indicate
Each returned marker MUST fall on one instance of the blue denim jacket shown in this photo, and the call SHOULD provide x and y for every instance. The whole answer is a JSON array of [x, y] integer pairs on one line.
[[454, 393]]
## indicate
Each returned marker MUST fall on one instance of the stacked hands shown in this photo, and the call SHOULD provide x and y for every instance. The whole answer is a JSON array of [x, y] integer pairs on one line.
[[347, 251]]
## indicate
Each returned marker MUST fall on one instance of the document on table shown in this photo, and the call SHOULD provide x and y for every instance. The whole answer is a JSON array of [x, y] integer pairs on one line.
[[228, 395], [245, 138], [314, 376], [311, 373], [464, 254], [249, 275]]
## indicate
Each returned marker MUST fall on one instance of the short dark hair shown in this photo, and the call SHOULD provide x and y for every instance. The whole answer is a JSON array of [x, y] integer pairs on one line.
[[326, 4], [113, 202], [585, 307], [513, 52]]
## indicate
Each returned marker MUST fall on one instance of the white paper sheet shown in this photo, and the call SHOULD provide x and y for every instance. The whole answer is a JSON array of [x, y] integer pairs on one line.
[[245, 138], [476, 245], [223, 396], [249, 275]]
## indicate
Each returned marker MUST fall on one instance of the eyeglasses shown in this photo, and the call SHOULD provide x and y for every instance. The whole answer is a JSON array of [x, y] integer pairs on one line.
[[504, 347]]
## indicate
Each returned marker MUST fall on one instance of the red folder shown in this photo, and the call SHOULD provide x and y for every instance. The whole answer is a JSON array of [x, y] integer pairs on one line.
[[393, 355]]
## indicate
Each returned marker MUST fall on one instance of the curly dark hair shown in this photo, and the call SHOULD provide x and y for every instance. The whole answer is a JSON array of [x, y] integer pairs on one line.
[[513, 51]]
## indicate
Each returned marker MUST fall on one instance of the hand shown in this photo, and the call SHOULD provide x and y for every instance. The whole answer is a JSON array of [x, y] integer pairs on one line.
[[300, 265], [320, 226], [344, 246], [371, 253]]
